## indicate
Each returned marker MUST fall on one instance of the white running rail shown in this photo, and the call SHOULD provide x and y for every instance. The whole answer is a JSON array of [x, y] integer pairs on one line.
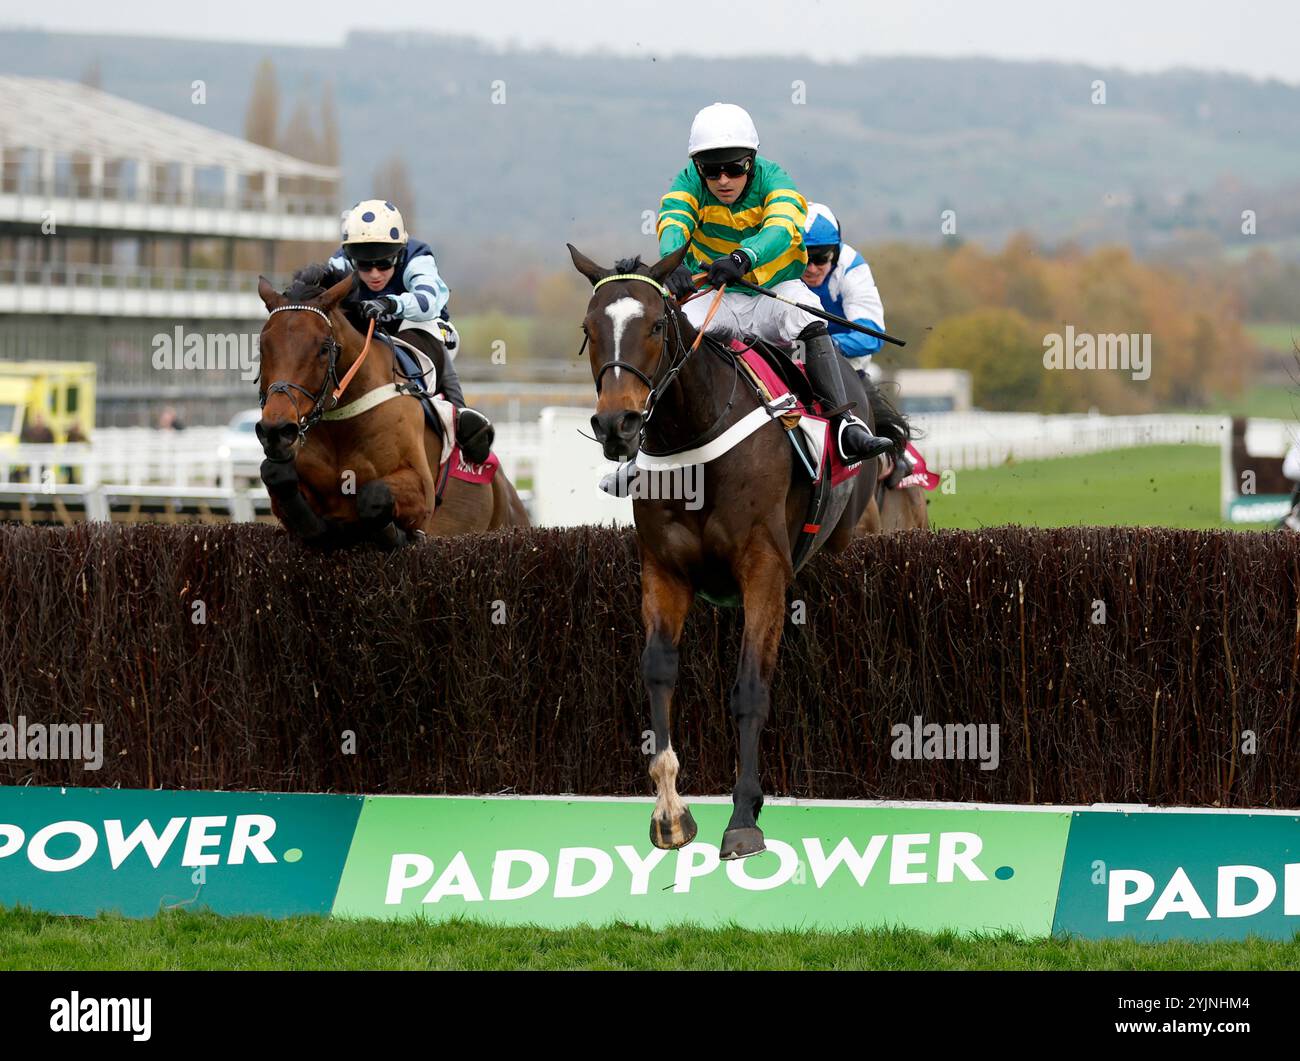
[[548, 457]]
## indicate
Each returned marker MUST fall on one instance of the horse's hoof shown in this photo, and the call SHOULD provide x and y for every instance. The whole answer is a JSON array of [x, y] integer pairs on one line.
[[375, 503], [670, 835], [279, 477], [741, 843]]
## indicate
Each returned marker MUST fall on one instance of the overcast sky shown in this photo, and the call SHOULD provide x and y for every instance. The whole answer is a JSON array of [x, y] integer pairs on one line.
[[1255, 37]]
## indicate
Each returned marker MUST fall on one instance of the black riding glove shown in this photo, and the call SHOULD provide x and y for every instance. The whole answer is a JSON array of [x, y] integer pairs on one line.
[[386, 308], [680, 283], [729, 269]]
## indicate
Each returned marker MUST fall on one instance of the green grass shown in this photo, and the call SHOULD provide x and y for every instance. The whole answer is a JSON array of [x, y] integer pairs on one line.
[[1271, 401], [1275, 335], [188, 940], [1164, 486]]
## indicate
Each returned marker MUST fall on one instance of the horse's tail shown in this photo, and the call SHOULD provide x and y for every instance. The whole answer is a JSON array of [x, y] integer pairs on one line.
[[890, 422]]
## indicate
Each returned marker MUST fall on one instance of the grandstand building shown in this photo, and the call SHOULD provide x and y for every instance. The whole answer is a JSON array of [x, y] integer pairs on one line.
[[124, 230]]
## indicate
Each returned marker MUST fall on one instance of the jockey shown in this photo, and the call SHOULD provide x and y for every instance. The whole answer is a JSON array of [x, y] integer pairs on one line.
[[841, 278], [398, 287], [743, 218]]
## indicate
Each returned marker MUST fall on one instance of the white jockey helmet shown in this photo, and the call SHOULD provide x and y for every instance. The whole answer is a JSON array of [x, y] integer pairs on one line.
[[373, 229], [722, 125]]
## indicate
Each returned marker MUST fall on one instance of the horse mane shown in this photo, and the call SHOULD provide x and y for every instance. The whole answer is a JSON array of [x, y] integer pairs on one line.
[[629, 265], [311, 281], [890, 422]]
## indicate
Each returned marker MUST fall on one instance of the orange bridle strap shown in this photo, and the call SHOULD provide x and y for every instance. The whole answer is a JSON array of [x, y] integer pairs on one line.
[[343, 383]]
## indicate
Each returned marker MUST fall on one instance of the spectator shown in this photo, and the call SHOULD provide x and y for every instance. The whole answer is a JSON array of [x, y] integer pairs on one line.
[[36, 430], [169, 421]]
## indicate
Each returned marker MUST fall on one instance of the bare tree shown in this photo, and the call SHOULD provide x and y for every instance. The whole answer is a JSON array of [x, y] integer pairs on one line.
[[299, 137], [93, 75], [392, 182], [263, 114], [329, 120]]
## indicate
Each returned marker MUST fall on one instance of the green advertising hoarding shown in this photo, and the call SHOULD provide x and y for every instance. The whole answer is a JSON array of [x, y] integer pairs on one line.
[[563, 862], [1091, 873], [1181, 875], [87, 850]]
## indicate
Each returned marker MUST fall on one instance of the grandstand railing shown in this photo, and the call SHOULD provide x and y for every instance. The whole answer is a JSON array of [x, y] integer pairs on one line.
[[322, 204], [125, 277]]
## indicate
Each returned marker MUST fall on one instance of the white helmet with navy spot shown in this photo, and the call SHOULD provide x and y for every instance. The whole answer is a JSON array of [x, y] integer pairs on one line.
[[373, 228]]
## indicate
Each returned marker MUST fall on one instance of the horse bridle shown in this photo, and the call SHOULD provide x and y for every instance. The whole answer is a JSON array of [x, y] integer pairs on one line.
[[674, 367], [331, 347], [668, 316]]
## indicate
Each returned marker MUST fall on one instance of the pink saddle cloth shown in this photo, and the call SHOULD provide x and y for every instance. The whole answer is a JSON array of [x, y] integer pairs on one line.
[[473, 473]]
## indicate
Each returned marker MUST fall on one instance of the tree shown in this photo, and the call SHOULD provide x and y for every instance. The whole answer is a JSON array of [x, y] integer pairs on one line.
[[999, 349], [93, 75], [299, 138], [329, 123], [392, 182], [263, 115]]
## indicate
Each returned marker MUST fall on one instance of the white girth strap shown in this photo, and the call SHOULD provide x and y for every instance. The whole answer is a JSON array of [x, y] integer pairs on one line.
[[365, 403], [728, 440]]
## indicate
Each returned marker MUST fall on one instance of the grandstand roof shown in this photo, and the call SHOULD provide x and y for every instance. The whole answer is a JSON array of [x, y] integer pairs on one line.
[[65, 117]]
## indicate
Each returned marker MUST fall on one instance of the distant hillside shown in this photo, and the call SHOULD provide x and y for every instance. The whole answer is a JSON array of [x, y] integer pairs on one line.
[[583, 145]]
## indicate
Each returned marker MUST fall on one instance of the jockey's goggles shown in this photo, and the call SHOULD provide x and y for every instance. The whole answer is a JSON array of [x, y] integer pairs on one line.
[[711, 171], [820, 255], [378, 263]]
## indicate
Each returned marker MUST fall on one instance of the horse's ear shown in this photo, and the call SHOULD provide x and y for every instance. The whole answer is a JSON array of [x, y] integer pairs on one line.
[[271, 298], [586, 266], [336, 294], [660, 270]]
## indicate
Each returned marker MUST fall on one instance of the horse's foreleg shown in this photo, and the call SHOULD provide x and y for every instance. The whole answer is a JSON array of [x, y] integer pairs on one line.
[[762, 577], [665, 600], [281, 479]]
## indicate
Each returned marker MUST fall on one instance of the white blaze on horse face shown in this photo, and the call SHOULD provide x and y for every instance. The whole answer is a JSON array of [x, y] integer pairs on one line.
[[620, 312]]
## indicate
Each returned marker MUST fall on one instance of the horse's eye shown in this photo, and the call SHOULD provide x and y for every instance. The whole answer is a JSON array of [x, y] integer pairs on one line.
[[657, 327]]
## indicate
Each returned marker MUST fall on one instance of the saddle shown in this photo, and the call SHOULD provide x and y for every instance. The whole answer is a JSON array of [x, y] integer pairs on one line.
[[421, 376], [421, 381], [779, 382]]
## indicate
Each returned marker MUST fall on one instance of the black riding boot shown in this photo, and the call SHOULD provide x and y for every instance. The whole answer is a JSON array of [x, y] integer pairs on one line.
[[475, 433], [855, 441]]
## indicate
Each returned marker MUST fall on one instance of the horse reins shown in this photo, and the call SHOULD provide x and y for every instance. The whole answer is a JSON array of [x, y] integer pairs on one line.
[[331, 347]]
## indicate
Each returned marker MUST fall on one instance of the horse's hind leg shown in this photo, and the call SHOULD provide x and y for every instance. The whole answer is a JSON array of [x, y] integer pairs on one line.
[[762, 574], [394, 507], [665, 600], [375, 513]]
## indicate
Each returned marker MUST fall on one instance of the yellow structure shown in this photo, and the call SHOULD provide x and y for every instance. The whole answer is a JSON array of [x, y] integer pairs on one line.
[[63, 392]]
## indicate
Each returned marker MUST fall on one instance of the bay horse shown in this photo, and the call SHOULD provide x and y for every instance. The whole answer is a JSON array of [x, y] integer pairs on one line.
[[903, 509], [354, 466], [655, 389]]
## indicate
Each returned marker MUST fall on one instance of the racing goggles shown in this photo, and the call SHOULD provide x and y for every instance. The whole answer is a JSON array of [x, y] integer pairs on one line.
[[711, 171], [374, 263]]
